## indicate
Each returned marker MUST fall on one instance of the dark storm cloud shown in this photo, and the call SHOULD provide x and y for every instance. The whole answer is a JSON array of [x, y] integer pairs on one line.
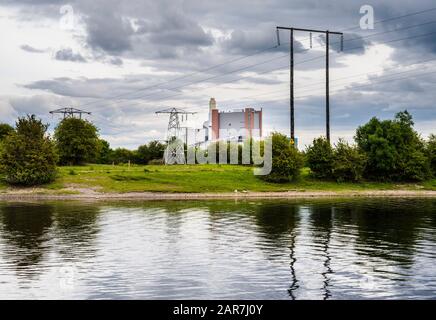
[[68, 55], [251, 41], [109, 31]]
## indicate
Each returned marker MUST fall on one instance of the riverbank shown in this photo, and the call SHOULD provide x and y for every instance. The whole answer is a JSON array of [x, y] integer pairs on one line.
[[39, 194], [199, 182]]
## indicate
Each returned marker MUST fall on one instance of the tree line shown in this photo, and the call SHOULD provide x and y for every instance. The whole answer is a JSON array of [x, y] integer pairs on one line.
[[388, 150], [29, 156]]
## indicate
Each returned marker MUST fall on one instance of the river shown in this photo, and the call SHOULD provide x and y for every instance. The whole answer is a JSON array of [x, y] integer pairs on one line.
[[260, 249]]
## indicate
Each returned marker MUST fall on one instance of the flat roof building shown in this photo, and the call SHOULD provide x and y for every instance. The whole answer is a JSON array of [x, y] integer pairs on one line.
[[236, 125]]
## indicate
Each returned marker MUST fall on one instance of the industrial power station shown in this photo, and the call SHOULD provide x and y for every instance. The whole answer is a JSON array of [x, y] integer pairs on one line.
[[235, 126]]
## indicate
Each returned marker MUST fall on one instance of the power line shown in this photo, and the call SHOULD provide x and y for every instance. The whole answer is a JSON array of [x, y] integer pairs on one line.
[[244, 57], [359, 86], [276, 58], [334, 80], [300, 62]]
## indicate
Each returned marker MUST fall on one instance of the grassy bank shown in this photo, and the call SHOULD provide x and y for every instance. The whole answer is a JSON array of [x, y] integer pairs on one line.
[[198, 179]]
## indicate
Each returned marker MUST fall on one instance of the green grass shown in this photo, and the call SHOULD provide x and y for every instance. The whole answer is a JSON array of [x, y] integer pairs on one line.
[[201, 178], [198, 178]]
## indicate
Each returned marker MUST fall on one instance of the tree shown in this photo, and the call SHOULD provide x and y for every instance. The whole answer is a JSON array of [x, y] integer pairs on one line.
[[5, 130], [431, 152], [393, 148], [287, 161], [152, 151], [122, 155], [319, 157], [105, 152], [348, 162], [77, 141], [28, 156]]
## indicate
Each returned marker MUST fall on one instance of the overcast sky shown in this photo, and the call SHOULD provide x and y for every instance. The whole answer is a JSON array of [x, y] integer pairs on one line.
[[123, 60]]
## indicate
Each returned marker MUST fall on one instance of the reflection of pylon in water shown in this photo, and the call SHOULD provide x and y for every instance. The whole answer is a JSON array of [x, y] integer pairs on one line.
[[174, 152]]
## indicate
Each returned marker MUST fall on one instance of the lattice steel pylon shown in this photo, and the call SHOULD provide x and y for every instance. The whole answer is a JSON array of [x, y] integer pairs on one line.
[[70, 112], [175, 151]]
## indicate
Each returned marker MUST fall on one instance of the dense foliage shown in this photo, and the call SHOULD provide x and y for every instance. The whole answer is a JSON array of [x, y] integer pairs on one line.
[[122, 155], [287, 161], [431, 153], [152, 151], [319, 158], [348, 163], [146, 153], [5, 130], [394, 149], [77, 141], [104, 152], [28, 156]]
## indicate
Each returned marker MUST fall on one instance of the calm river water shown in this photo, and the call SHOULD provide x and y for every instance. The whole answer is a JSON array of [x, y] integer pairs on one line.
[[325, 249]]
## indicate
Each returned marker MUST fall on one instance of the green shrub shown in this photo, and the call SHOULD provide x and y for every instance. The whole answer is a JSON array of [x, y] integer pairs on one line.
[[122, 156], [431, 153], [151, 151], [28, 155], [394, 149], [156, 162], [5, 130], [348, 163], [415, 166], [319, 158], [104, 152], [287, 161]]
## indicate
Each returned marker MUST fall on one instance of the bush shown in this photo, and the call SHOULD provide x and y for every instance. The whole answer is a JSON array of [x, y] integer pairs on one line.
[[77, 141], [287, 161], [156, 162], [104, 152], [319, 158], [5, 130], [348, 163], [415, 166], [151, 151], [431, 153], [122, 155], [394, 149], [28, 155]]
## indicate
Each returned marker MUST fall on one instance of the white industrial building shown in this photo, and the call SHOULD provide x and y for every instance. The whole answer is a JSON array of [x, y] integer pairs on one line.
[[236, 125]]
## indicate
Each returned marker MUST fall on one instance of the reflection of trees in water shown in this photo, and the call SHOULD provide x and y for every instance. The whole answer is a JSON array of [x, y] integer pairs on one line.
[[387, 229], [279, 223], [29, 230], [321, 226], [24, 228], [76, 228]]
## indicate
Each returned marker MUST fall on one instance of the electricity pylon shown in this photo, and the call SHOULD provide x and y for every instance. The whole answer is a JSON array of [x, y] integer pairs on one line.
[[175, 151], [70, 112], [327, 34]]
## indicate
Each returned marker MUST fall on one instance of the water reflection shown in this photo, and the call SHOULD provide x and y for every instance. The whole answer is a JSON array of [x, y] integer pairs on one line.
[[321, 219], [386, 231], [76, 229], [221, 249], [279, 223], [24, 229]]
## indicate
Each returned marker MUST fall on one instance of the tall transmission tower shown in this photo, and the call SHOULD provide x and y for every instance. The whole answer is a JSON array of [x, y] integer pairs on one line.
[[327, 34], [175, 151], [70, 112]]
